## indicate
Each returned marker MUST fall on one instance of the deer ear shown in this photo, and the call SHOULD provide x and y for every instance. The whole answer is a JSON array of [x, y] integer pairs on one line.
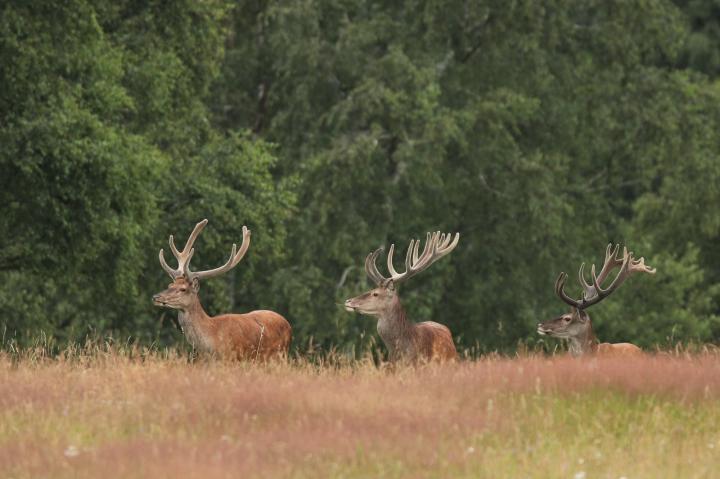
[[391, 285], [196, 284]]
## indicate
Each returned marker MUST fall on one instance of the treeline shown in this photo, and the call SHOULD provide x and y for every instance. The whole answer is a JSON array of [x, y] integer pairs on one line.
[[540, 131]]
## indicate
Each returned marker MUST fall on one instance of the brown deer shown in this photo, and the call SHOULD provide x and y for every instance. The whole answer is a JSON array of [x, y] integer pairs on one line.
[[576, 325], [406, 341], [254, 335]]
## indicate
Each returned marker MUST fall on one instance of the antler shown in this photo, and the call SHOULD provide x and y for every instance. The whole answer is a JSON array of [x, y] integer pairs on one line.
[[183, 257], [612, 260], [594, 293], [371, 268], [437, 245]]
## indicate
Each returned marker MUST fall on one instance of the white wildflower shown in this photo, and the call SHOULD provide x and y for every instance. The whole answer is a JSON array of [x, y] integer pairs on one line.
[[71, 451]]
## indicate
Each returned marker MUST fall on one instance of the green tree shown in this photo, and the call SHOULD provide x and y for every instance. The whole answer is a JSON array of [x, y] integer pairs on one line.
[[539, 130], [532, 128], [107, 149]]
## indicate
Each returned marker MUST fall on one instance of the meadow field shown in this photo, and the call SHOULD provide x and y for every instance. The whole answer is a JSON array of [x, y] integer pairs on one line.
[[111, 413]]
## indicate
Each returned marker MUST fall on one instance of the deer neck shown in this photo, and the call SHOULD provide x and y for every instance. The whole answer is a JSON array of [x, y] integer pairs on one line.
[[394, 327], [194, 323], [584, 343]]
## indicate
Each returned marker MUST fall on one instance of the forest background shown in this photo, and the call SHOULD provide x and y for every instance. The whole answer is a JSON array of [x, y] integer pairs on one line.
[[540, 130]]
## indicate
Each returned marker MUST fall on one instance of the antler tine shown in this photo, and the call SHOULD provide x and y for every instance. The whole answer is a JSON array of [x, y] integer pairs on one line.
[[391, 267], [588, 289], [628, 266], [183, 257], [622, 275], [436, 246], [581, 276], [611, 254], [427, 253], [371, 267], [235, 257], [409, 256], [173, 249], [193, 236], [416, 251], [244, 247], [560, 291], [611, 261], [221, 269], [190, 241], [594, 293], [449, 244], [431, 246], [638, 266], [163, 263], [186, 264], [443, 241]]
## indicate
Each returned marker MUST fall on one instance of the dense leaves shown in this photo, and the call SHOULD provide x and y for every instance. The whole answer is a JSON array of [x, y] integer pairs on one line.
[[539, 130], [107, 149]]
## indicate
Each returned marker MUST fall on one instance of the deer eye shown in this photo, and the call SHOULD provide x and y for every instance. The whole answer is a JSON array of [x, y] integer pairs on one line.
[[375, 294]]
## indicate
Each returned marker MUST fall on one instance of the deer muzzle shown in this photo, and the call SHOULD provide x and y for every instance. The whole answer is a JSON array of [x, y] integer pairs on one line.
[[349, 306], [158, 300]]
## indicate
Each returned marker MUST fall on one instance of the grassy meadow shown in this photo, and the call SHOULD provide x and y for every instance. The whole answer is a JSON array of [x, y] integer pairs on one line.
[[130, 413]]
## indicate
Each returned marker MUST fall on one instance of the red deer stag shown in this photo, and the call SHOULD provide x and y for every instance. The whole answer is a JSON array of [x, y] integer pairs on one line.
[[254, 335], [405, 340], [576, 325]]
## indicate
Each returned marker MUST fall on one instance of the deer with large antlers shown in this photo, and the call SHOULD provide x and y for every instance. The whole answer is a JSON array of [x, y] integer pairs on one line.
[[255, 335], [576, 325], [406, 340]]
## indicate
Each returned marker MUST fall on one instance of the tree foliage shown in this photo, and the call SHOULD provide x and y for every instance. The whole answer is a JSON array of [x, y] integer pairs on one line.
[[108, 149], [540, 131]]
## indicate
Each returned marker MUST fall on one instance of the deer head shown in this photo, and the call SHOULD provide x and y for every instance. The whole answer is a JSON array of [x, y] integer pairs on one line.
[[183, 291], [378, 300], [576, 324]]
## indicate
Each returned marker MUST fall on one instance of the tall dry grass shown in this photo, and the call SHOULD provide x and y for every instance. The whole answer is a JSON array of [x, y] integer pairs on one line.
[[129, 412]]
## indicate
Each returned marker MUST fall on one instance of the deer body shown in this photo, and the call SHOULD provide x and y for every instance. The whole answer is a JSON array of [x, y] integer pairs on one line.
[[254, 335], [411, 341], [617, 349], [405, 340], [258, 334], [576, 326]]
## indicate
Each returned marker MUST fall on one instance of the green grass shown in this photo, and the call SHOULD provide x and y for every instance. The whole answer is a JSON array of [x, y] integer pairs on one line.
[[144, 415]]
